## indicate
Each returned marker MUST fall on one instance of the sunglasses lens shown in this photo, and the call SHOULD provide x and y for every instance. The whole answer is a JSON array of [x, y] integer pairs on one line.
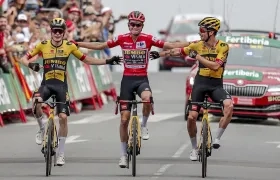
[[134, 24], [60, 31], [202, 30]]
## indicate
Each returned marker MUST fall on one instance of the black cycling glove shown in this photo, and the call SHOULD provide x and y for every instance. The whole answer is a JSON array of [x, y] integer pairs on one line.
[[154, 55], [114, 60], [34, 66], [193, 54]]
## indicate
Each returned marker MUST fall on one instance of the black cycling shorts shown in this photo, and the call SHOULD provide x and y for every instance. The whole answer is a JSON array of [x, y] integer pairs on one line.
[[216, 93], [130, 84], [61, 94]]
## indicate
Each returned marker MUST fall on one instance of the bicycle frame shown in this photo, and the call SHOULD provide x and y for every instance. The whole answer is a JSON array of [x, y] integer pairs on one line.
[[134, 115], [204, 147], [205, 105], [55, 138], [134, 142], [52, 105]]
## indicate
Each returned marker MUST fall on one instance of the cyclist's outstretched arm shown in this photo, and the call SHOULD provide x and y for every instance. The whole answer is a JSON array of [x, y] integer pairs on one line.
[[94, 61], [91, 60], [172, 45], [24, 60], [175, 51], [93, 45]]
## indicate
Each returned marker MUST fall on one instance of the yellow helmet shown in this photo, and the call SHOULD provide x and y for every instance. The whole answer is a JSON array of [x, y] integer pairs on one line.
[[58, 23], [210, 23]]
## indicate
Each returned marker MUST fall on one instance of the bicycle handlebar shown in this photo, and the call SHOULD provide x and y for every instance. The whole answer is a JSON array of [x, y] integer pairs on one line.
[[50, 104], [151, 101], [207, 104]]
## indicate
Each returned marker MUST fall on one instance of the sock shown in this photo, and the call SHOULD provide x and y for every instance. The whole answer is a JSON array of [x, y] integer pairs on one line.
[[194, 142], [220, 133], [123, 148], [144, 121], [40, 122], [61, 145]]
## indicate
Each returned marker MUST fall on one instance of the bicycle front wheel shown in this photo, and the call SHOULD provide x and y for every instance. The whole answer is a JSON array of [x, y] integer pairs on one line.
[[134, 147], [204, 148], [49, 148]]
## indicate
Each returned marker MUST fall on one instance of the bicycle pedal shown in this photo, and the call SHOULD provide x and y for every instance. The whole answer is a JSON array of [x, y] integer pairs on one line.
[[43, 151], [53, 153]]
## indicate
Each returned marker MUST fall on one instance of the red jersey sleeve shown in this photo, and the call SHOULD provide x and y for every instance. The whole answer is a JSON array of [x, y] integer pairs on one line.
[[114, 42], [156, 42]]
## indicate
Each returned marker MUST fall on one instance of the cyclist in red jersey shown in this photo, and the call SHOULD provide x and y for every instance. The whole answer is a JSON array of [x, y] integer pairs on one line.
[[135, 48]]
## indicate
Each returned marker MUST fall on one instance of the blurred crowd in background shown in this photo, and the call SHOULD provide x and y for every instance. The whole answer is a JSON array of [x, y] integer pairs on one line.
[[23, 23]]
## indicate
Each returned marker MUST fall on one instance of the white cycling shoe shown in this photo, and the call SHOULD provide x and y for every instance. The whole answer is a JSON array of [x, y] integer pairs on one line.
[[40, 136], [123, 162], [194, 155], [145, 133], [60, 160]]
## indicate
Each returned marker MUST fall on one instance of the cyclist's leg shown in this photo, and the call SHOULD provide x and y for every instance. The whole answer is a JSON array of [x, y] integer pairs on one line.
[[216, 95], [144, 92], [126, 93], [63, 111], [197, 95], [42, 94]]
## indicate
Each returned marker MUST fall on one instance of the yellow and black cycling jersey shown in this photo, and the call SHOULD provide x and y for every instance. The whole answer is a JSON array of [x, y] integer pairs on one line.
[[55, 59], [218, 54]]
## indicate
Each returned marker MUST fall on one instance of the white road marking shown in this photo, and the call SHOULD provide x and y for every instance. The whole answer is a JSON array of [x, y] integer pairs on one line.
[[73, 139], [177, 154], [103, 117], [94, 119], [165, 167], [162, 116], [274, 142], [180, 151]]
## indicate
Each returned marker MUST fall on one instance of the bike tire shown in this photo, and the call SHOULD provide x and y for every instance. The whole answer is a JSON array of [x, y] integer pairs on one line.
[[204, 148], [134, 147], [49, 148]]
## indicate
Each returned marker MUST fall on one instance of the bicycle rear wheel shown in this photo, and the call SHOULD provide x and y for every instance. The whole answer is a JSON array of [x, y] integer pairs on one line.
[[204, 147], [134, 146], [49, 148]]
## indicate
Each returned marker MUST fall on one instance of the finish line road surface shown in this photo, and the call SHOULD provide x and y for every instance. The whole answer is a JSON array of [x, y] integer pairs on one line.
[[249, 150]]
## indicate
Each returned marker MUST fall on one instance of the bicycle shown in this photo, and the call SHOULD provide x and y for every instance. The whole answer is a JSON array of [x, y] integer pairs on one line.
[[134, 130], [205, 140], [50, 141]]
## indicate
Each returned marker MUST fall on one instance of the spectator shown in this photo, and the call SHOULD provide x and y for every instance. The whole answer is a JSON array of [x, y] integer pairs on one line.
[[28, 22], [3, 55], [15, 7], [45, 30], [22, 22]]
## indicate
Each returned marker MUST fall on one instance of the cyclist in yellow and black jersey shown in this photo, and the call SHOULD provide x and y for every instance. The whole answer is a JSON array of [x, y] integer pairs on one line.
[[218, 54], [55, 59], [55, 53], [211, 55]]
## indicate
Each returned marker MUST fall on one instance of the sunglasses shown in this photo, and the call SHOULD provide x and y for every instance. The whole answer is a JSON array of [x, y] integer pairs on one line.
[[135, 24], [60, 31]]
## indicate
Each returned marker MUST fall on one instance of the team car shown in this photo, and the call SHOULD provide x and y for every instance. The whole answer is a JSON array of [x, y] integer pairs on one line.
[[183, 27], [251, 75]]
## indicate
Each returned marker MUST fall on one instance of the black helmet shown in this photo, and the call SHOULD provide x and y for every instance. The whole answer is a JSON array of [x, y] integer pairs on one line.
[[210, 23], [58, 23]]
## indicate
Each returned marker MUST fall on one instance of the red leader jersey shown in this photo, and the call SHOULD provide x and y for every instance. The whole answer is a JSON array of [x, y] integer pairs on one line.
[[135, 54]]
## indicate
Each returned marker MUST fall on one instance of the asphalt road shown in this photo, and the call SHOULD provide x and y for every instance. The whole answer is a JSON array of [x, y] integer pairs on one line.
[[244, 154]]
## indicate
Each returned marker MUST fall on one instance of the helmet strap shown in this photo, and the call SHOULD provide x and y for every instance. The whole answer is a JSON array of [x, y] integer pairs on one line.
[[208, 37]]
